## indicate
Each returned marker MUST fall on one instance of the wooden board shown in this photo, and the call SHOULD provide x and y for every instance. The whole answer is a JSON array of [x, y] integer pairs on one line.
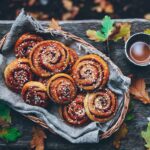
[[133, 141]]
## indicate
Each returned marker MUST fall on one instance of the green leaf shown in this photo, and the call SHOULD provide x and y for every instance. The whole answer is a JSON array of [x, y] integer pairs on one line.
[[146, 136], [129, 117], [147, 31], [10, 134], [92, 34], [107, 27], [124, 32], [104, 33], [5, 113]]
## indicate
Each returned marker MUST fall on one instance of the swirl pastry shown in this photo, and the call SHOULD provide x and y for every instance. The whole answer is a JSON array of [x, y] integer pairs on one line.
[[25, 43], [34, 93], [100, 106], [17, 73], [90, 72], [73, 58], [74, 113], [61, 88], [49, 57]]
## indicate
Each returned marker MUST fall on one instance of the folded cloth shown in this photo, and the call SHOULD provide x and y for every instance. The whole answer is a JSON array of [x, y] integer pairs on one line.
[[86, 134]]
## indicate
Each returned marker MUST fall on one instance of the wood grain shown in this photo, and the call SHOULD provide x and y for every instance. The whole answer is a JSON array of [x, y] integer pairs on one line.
[[133, 141]]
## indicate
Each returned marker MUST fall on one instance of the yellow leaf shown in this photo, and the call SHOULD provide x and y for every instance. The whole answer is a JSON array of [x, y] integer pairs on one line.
[[147, 31], [38, 137], [92, 35], [138, 90], [124, 32], [146, 136], [120, 134], [54, 25]]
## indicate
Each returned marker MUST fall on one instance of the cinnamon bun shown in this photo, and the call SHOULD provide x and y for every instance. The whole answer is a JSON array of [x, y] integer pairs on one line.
[[90, 72], [17, 73], [100, 106], [61, 88]]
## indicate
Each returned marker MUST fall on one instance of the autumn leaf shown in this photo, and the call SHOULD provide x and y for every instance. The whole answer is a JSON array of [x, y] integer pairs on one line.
[[32, 2], [138, 90], [10, 134], [124, 32], [54, 25], [68, 4], [38, 137], [93, 36], [120, 134], [71, 13], [103, 5], [147, 31], [146, 136], [72, 10], [105, 31]]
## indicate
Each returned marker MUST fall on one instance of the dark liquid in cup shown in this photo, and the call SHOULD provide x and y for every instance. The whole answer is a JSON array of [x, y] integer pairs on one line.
[[140, 52]]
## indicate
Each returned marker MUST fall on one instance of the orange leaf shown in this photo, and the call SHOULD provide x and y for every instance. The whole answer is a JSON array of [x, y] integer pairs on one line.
[[38, 137], [68, 4], [54, 25], [103, 6], [120, 134], [138, 90], [32, 2]]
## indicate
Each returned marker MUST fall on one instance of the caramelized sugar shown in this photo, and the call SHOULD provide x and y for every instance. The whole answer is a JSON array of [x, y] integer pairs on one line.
[[140, 52]]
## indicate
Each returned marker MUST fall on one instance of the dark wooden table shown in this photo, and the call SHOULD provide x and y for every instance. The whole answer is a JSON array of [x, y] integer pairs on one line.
[[133, 141]]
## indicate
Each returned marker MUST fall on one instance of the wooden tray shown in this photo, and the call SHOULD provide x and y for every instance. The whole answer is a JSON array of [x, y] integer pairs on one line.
[[79, 28]]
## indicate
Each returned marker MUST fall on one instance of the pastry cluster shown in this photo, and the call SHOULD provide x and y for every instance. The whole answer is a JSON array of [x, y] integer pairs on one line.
[[47, 70]]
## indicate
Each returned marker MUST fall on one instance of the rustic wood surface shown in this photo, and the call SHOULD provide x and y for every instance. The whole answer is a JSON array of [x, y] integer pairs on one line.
[[133, 141]]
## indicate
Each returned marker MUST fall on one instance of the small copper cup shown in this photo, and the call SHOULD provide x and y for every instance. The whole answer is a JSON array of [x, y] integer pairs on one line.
[[138, 37]]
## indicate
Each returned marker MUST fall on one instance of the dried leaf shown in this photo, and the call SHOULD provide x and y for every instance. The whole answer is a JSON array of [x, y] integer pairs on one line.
[[71, 14], [4, 123], [123, 32], [31, 2], [147, 31], [147, 16], [138, 90], [120, 134], [54, 25], [38, 137], [146, 136], [105, 31], [103, 5], [68, 4], [39, 15]]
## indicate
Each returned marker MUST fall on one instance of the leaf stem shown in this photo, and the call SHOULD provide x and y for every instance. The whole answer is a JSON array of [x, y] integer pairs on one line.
[[107, 48]]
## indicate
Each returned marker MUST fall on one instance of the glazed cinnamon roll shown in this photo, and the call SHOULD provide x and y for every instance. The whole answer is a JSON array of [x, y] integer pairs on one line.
[[34, 93], [49, 57], [61, 88], [74, 113], [17, 73], [90, 72], [100, 106], [25, 43], [73, 58]]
